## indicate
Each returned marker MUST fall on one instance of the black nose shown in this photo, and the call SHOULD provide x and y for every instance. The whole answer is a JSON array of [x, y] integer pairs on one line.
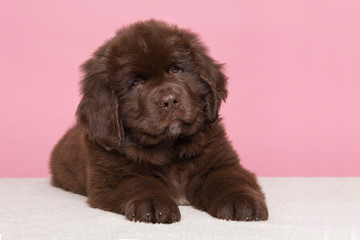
[[169, 102]]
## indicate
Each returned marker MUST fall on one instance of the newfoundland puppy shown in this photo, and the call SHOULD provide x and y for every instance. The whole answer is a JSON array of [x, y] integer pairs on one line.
[[148, 137]]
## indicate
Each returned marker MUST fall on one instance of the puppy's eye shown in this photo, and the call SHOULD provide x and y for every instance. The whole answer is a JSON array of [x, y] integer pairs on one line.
[[174, 69], [137, 82]]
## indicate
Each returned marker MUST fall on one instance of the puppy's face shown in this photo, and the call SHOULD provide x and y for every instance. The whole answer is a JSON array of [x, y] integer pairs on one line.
[[159, 90], [159, 80]]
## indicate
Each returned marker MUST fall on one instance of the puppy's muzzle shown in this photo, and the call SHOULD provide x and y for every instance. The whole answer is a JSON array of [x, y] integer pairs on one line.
[[169, 102]]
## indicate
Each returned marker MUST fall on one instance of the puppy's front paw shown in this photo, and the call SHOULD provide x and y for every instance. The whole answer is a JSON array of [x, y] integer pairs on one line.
[[154, 210], [240, 207]]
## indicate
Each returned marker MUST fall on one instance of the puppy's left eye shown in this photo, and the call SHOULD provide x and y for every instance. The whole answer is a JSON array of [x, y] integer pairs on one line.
[[175, 69]]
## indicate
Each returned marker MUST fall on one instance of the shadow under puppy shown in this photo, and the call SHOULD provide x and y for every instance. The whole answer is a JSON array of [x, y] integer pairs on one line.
[[148, 136]]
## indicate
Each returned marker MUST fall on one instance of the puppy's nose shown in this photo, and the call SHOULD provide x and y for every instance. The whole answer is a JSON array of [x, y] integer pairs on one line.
[[169, 102]]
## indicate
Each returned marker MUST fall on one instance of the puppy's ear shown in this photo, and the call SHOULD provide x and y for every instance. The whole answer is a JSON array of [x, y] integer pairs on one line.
[[211, 73], [97, 112]]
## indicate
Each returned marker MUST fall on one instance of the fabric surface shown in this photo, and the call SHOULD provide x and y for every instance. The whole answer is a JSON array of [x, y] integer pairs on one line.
[[300, 208]]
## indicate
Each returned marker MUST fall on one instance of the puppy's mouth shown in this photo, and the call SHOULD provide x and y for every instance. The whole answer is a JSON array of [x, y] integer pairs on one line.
[[174, 128], [179, 124]]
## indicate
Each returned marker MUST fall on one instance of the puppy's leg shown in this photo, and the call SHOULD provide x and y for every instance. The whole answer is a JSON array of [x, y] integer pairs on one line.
[[231, 193], [143, 199]]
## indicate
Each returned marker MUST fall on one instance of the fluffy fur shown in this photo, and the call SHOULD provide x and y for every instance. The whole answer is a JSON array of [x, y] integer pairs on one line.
[[148, 136]]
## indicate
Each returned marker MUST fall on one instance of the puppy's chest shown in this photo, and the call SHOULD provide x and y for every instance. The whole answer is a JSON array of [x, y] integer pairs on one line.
[[177, 180]]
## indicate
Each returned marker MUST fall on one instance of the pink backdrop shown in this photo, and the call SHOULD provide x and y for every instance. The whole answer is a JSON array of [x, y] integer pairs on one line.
[[294, 69]]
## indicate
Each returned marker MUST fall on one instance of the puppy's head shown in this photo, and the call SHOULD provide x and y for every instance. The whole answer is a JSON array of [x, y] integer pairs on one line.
[[151, 82]]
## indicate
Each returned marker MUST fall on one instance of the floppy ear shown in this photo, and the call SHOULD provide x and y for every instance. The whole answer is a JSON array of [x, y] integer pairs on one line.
[[211, 73], [97, 112]]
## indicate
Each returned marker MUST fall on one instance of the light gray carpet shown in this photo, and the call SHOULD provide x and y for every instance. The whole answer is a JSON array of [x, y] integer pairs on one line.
[[300, 208]]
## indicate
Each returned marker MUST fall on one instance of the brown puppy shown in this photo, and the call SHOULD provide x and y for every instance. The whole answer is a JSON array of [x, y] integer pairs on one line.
[[148, 136]]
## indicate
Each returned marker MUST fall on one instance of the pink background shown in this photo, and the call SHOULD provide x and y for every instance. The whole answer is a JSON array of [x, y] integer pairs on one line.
[[294, 69]]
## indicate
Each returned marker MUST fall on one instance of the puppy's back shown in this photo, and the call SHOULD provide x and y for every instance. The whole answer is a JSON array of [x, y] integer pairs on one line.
[[68, 163]]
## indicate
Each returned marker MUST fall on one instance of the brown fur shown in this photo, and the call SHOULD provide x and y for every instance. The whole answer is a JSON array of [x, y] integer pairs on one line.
[[148, 136]]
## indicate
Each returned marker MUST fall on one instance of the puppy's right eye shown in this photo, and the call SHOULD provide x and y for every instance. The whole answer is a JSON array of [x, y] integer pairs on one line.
[[137, 82]]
